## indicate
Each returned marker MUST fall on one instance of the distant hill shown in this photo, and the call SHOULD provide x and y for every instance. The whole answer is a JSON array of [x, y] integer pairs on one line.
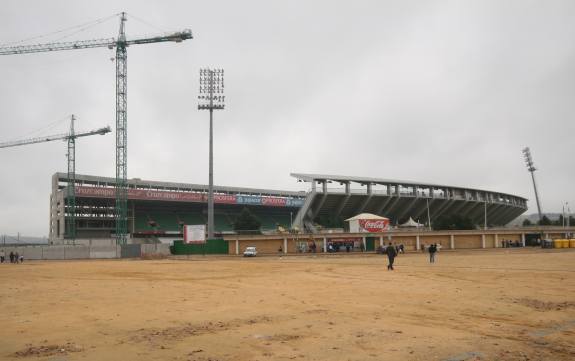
[[533, 218], [8, 239]]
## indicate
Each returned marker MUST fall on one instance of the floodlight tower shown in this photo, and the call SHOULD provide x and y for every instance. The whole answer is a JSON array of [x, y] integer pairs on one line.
[[532, 169], [211, 97]]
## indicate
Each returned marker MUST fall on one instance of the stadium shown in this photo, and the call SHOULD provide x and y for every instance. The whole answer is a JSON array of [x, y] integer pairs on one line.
[[159, 209]]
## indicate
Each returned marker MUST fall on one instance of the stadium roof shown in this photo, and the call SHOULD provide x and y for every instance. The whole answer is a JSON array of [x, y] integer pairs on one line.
[[307, 177], [140, 183]]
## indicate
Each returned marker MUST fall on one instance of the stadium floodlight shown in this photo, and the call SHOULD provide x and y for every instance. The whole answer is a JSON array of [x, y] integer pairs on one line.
[[531, 168], [211, 97]]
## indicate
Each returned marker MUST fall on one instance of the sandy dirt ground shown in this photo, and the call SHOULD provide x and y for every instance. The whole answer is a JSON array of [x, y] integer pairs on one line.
[[505, 304]]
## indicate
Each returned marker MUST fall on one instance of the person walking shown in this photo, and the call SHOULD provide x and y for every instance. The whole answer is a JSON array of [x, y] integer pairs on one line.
[[11, 257], [16, 257], [2, 256], [432, 250], [391, 253]]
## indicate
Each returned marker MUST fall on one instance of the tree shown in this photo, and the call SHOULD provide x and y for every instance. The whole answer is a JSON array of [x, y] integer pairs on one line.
[[527, 222], [453, 222], [559, 221], [545, 221], [247, 222]]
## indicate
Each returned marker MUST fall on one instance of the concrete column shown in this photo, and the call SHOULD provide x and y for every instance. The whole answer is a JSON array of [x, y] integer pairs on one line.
[[483, 240], [324, 245], [285, 245], [523, 239], [364, 243], [452, 241], [417, 248], [237, 246], [381, 241], [496, 240]]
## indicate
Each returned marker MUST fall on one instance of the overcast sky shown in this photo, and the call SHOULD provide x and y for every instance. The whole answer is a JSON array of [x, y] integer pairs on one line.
[[446, 92]]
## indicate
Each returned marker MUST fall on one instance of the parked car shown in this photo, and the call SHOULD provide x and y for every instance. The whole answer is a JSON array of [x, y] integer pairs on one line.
[[250, 252]]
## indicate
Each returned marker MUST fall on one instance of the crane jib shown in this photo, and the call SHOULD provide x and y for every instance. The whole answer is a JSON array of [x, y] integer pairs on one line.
[[97, 43]]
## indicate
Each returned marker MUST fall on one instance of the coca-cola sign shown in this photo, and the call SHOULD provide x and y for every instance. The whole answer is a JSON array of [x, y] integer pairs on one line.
[[373, 225]]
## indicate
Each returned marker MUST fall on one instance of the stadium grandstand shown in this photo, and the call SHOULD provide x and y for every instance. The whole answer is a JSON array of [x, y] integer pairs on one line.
[[159, 209]]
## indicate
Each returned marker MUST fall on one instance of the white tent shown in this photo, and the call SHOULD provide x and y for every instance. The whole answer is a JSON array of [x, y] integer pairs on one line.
[[367, 222], [365, 216], [411, 223]]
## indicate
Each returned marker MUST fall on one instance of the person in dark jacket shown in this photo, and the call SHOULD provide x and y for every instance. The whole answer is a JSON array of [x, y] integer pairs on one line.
[[432, 250], [391, 253]]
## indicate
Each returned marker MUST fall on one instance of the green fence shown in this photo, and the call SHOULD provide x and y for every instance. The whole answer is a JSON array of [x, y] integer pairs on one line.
[[212, 246]]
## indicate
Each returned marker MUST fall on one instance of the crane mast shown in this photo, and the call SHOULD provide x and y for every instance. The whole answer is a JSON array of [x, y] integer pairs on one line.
[[121, 44], [71, 189], [121, 136]]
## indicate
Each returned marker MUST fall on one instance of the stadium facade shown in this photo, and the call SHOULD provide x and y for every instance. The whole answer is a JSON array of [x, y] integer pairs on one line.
[[161, 208]]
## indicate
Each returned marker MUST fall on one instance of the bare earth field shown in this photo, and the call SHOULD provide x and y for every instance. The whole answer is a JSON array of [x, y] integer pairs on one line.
[[505, 304]]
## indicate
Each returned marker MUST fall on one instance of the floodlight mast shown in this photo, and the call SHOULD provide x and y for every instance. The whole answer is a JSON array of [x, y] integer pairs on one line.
[[531, 168], [211, 97]]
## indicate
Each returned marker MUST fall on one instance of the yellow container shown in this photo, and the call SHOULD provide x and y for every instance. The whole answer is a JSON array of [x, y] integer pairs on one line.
[[565, 243], [557, 243], [572, 243]]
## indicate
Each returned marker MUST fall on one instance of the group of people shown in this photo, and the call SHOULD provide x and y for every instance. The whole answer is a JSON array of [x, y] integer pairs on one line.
[[14, 257], [392, 252], [506, 243], [432, 249]]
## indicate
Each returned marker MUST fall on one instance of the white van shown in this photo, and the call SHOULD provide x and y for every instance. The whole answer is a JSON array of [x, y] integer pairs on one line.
[[250, 252]]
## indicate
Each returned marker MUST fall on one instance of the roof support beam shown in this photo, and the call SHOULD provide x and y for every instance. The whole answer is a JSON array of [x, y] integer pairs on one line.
[[406, 209]]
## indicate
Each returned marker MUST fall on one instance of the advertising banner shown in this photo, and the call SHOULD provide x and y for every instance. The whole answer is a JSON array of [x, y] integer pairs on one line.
[[198, 197], [195, 233], [373, 225], [224, 198], [295, 202], [274, 201], [142, 194], [256, 200]]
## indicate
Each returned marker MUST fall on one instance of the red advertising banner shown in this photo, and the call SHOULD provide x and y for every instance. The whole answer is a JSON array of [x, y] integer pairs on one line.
[[274, 201], [224, 198], [374, 225], [153, 195], [141, 194]]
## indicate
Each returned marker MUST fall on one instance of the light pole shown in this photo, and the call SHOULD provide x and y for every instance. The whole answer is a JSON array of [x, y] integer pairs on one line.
[[532, 169], [568, 217], [485, 213], [211, 97]]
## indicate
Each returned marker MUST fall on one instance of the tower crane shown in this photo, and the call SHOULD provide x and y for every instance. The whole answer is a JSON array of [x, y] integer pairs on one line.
[[121, 45], [71, 155]]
